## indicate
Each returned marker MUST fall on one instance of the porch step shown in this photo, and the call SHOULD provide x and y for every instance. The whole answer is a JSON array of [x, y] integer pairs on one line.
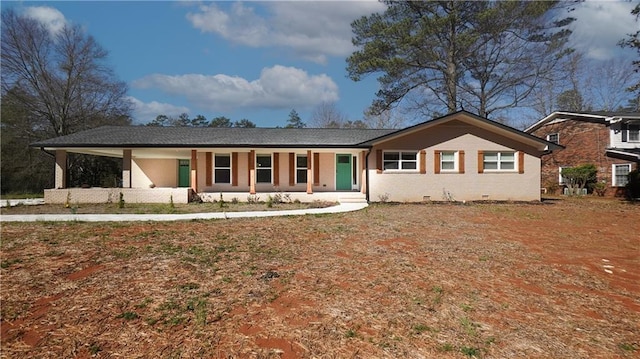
[[352, 198]]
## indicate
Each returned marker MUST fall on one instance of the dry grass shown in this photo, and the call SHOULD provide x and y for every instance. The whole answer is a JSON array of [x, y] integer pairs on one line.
[[395, 281]]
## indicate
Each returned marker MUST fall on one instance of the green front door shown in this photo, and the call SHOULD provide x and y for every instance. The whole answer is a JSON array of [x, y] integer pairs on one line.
[[343, 172], [184, 175]]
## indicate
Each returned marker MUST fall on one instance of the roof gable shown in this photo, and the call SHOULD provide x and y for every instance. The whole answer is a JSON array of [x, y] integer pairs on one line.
[[474, 120], [598, 116]]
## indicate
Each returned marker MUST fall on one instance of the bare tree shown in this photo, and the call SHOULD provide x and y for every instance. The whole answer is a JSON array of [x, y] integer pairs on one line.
[[327, 115], [55, 83], [62, 78], [385, 119], [605, 86]]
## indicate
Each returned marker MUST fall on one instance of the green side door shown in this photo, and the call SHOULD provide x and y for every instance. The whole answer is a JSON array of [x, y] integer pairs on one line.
[[184, 173], [343, 172]]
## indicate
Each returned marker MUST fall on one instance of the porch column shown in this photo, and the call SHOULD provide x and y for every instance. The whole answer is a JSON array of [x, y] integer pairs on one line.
[[309, 174], [61, 169], [252, 172], [126, 168], [363, 172], [194, 170]]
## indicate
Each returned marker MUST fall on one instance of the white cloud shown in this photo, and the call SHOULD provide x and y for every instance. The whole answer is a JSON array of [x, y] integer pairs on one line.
[[313, 30], [599, 27], [144, 112], [52, 18], [278, 87]]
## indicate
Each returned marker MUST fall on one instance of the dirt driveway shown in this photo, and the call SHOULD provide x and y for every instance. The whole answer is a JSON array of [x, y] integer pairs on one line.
[[554, 280]]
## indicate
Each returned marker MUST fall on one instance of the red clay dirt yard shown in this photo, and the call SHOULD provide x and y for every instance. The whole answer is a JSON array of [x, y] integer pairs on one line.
[[559, 279]]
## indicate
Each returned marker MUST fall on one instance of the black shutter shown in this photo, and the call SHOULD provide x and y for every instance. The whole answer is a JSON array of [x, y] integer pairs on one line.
[[625, 132]]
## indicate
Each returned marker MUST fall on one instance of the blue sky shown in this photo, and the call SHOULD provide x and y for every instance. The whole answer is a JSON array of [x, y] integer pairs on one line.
[[259, 60]]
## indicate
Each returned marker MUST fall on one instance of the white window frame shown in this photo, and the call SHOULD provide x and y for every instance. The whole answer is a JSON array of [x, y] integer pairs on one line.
[[635, 131], [215, 168], [400, 161], [615, 183], [500, 162], [455, 161], [557, 135], [300, 169], [270, 168]]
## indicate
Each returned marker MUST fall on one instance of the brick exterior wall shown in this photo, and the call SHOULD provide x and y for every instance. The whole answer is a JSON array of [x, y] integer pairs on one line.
[[586, 143]]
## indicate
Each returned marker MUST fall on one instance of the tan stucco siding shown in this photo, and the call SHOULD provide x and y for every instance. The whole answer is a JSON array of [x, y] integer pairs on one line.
[[159, 172], [411, 186], [327, 172]]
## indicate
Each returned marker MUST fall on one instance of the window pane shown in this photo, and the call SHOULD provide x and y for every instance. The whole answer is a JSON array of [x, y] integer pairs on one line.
[[491, 165], [391, 165], [490, 156], [507, 166], [263, 161], [447, 156], [301, 176], [408, 156], [301, 161], [634, 133], [408, 165], [507, 156], [223, 176], [448, 165], [344, 159], [223, 161], [391, 156], [263, 175]]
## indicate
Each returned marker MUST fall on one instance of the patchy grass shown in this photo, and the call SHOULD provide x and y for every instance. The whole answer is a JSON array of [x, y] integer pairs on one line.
[[553, 280]]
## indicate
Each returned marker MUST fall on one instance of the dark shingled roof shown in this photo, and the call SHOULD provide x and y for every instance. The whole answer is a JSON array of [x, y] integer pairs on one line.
[[146, 136]]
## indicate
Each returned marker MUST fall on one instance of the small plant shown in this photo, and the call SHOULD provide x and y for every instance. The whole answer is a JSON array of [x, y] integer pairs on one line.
[[253, 199], [628, 347], [269, 201], [384, 198], [171, 204], [128, 315], [234, 200], [189, 286], [67, 202], [94, 349], [221, 202], [447, 196], [421, 328], [446, 347], [350, 333], [121, 201], [470, 351], [469, 326], [599, 188]]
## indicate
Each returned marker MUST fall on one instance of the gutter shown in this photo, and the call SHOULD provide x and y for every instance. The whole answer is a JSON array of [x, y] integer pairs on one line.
[[47, 152]]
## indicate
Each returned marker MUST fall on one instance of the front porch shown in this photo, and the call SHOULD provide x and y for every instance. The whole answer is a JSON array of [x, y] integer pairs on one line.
[[161, 175]]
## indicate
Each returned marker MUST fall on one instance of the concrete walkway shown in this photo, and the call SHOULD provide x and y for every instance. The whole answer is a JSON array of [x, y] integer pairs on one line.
[[343, 207]]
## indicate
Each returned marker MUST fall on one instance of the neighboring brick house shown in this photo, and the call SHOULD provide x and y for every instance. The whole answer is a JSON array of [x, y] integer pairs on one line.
[[608, 140]]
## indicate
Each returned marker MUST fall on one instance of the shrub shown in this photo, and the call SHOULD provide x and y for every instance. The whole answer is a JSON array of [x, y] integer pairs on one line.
[[599, 188], [576, 178]]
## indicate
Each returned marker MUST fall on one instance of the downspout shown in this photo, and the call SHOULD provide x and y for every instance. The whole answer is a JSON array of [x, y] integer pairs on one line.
[[366, 174]]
